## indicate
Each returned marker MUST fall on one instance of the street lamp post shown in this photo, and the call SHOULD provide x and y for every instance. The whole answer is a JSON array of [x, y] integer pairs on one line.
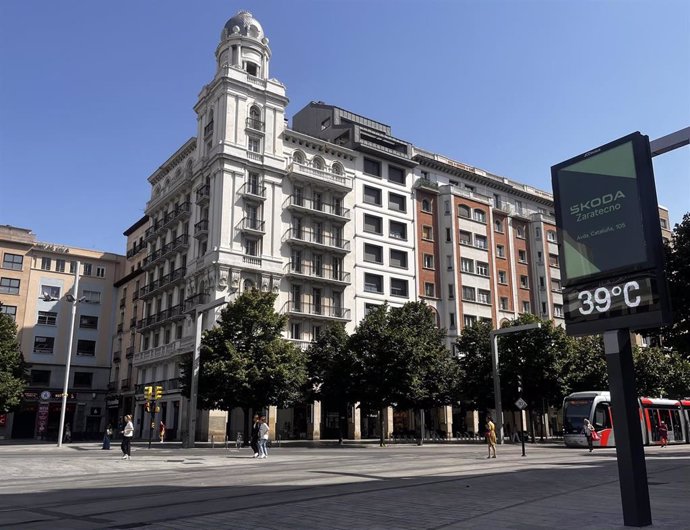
[[194, 386], [496, 372], [74, 300]]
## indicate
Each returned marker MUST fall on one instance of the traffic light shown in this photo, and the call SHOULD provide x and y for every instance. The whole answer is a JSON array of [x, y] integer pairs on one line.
[[158, 409], [148, 392], [159, 392]]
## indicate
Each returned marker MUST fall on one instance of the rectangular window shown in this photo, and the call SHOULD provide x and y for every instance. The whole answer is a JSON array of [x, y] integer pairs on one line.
[[254, 144], [518, 206], [482, 268], [428, 261], [373, 253], [372, 195], [467, 265], [502, 277], [537, 233], [91, 297], [520, 231], [498, 226], [368, 308], [44, 344], [9, 286], [250, 247], [373, 283], [372, 167], [9, 310], [480, 241], [396, 175], [465, 238], [45, 264], [525, 307], [483, 296], [40, 377], [449, 263], [86, 347], [398, 230], [398, 287], [373, 224], [100, 272], [504, 303], [47, 318], [429, 289], [556, 285], [60, 265], [553, 261], [83, 379], [469, 294], [12, 261], [398, 258], [522, 256], [500, 251], [551, 236], [87, 271], [448, 236], [397, 202], [296, 331], [469, 320], [480, 216], [451, 291], [451, 319], [50, 291], [524, 282], [558, 310], [88, 322], [428, 233]]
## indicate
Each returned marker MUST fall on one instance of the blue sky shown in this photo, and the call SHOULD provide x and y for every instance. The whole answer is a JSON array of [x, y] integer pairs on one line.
[[94, 96]]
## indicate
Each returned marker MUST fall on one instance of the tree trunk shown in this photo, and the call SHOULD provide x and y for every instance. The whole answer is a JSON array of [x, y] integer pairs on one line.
[[421, 426]]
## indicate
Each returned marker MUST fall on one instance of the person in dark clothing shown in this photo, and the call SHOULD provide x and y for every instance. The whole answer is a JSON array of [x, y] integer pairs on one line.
[[254, 439]]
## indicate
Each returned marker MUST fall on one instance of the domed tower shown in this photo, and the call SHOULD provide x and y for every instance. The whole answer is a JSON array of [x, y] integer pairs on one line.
[[244, 45]]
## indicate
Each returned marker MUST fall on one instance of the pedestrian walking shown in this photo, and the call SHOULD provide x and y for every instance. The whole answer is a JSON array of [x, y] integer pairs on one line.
[[490, 437], [254, 437], [127, 434], [663, 434], [106, 437], [67, 437], [589, 431], [263, 437], [161, 431]]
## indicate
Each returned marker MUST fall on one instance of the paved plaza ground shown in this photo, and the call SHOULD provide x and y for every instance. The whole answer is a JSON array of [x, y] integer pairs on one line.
[[81, 486]]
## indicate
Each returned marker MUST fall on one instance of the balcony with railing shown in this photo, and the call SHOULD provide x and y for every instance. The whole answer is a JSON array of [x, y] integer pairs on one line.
[[193, 301], [129, 352], [117, 355], [175, 312], [324, 274], [319, 176], [178, 244], [317, 208], [252, 226], [249, 190], [167, 280], [298, 308], [201, 229], [203, 194], [164, 351], [309, 238], [255, 124], [136, 248]]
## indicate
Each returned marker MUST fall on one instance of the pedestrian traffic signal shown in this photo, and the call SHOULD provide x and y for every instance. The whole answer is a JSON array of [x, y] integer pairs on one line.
[[159, 392], [148, 392]]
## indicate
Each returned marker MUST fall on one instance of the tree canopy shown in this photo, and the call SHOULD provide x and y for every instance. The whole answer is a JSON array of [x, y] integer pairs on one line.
[[13, 369], [677, 336], [245, 362]]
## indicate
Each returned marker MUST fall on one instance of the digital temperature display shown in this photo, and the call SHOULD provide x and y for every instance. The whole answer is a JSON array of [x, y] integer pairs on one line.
[[630, 297]]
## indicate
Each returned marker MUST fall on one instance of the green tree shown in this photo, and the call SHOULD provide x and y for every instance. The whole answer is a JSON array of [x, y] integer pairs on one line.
[[661, 373], [473, 346], [677, 336], [583, 365], [330, 366], [13, 369], [244, 360]]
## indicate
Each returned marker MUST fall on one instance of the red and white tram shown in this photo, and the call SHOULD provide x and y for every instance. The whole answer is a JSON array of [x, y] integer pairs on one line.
[[596, 406]]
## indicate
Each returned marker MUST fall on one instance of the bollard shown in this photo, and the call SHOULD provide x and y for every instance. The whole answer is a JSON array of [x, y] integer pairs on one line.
[[212, 442]]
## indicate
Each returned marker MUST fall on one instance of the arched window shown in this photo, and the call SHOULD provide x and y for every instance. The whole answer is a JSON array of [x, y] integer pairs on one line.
[[298, 156], [426, 205], [337, 168], [254, 120], [463, 211], [248, 285], [498, 225], [317, 162]]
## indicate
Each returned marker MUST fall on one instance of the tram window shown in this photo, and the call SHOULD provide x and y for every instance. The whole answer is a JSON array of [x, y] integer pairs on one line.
[[602, 418], [653, 415], [677, 426]]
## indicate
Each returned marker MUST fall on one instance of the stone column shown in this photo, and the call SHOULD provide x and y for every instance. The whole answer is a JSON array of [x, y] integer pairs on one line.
[[354, 423], [446, 420], [314, 421], [387, 422]]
